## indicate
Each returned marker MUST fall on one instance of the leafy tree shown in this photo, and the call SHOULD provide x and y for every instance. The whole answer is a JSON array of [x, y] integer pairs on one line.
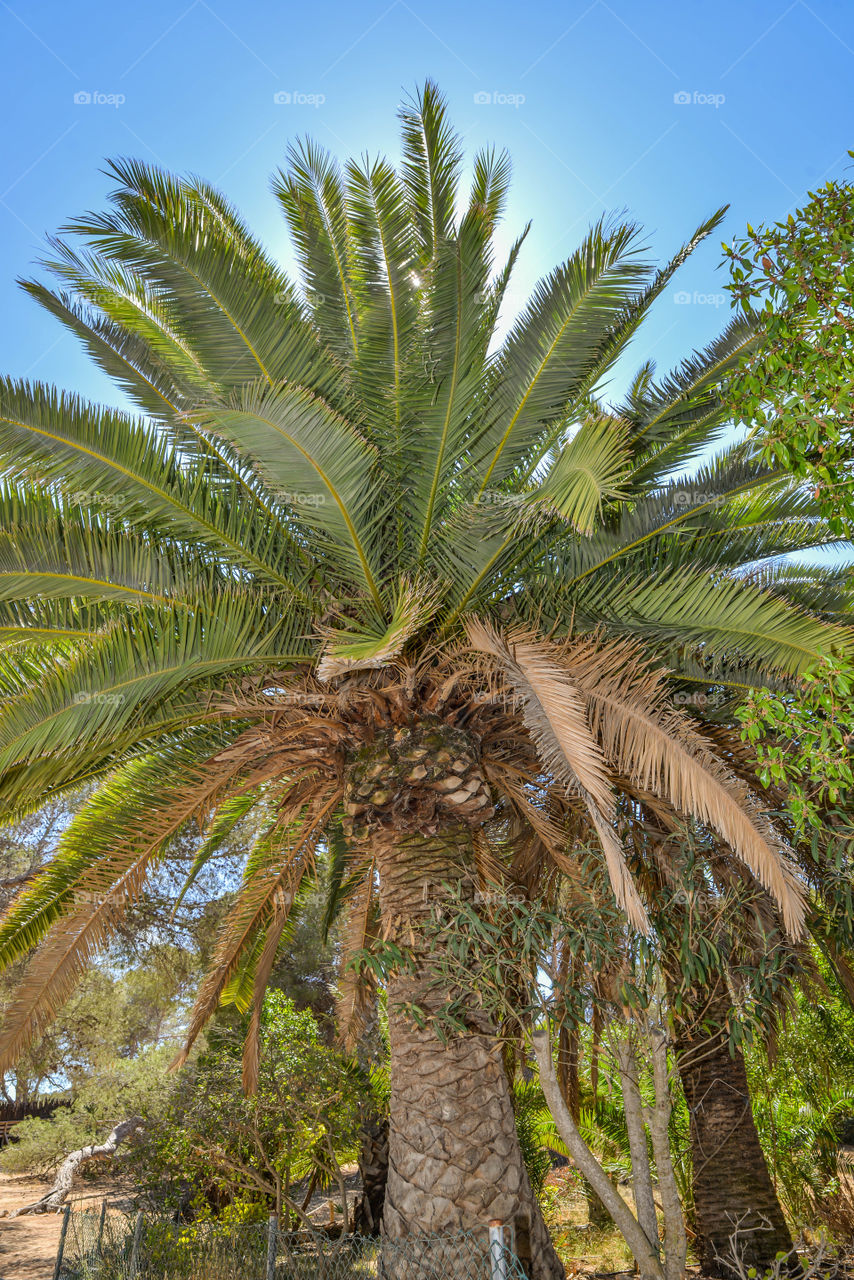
[[397, 588], [803, 1089], [796, 388], [303, 1117], [803, 739]]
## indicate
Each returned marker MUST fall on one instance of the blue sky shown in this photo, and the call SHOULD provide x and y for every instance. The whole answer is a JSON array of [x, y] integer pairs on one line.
[[666, 109]]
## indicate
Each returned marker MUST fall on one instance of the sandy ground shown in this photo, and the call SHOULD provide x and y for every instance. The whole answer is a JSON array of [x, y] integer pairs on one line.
[[28, 1245]]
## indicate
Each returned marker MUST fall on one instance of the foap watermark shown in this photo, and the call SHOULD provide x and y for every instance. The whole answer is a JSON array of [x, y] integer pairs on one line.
[[83, 98], [93, 498], [494, 499], [494, 896], [311, 296], [498, 897], [698, 498], [696, 299], [84, 698], [498, 99], [693, 98], [305, 499], [296, 98], [698, 699]]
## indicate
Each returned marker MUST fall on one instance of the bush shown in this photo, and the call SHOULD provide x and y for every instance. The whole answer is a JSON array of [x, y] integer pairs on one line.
[[304, 1117]]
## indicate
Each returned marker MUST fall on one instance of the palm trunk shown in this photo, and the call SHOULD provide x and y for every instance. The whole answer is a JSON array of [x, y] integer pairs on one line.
[[373, 1171], [732, 1188], [454, 1158]]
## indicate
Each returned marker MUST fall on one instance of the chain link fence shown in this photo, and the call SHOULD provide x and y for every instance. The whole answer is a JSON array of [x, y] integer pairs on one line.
[[111, 1246]]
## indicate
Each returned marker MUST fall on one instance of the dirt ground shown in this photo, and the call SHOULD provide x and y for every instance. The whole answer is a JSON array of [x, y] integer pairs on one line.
[[28, 1245]]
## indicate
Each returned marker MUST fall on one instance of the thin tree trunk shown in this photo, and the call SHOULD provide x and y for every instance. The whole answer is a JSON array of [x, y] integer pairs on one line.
[[633, 1111], [570, 1087], [567, 1070], [658, 1119], [731, 1182], [454, 1156], [633, 1233]]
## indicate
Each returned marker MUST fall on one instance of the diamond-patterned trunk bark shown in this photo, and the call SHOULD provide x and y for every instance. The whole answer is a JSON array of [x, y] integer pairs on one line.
[[454, 1157]]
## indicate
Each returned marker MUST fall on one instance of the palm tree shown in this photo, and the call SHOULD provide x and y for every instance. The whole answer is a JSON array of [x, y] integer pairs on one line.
[[731, 1180], [386, 581]]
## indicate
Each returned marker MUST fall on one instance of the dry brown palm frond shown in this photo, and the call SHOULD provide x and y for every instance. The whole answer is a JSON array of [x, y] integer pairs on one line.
[[625, 889], [553, 711], [356, 990], [105, 893], [556, 841], [489, 868], [60, 962], [658, 749], [555, 715], [552, 836], [292, 843]]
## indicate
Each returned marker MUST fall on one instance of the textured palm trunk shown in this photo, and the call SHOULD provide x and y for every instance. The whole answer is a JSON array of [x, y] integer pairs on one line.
[[732, 1187], [413, 796], [454, 1157]]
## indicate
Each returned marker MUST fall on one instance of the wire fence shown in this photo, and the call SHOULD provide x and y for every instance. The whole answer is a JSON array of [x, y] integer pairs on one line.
[[110, 1246]]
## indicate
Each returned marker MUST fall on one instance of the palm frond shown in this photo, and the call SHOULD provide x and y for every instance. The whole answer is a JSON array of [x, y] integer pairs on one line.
[[590, 469], [556, 718], [432, 158], [280, 860], [547, 357], [655, 746], [314, 199], [97, 872]]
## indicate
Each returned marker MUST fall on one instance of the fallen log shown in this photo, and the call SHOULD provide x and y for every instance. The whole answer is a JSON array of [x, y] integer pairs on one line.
[[53, 1200]]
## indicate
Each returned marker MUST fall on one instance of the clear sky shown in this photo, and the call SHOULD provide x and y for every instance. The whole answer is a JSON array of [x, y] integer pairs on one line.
[[664, 108]]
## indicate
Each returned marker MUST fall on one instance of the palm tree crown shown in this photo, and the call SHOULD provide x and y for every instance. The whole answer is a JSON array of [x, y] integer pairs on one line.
[[354, 561]]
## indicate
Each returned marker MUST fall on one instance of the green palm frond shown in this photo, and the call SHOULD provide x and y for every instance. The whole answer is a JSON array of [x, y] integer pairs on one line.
[[137, 681], [432, 159], [676, 421], [590, 469], [184, 238], [106, 460], [318, 465], [721, 616], [314, 200], [546, 360]]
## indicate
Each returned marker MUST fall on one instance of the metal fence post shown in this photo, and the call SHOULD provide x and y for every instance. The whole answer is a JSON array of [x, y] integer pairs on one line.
[[272, 1241], [134, 1252], [60, 1250], [99, 1241], [497, 1251]]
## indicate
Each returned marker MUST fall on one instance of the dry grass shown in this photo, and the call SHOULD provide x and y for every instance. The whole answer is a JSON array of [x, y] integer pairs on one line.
[[584, 1249]]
